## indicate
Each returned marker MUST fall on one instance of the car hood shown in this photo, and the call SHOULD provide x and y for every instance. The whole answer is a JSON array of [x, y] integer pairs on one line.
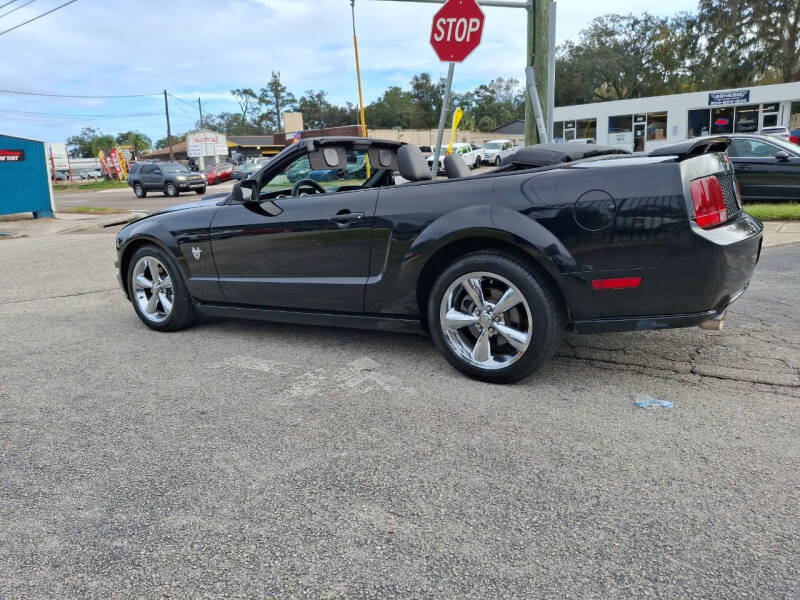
[[207, 200]]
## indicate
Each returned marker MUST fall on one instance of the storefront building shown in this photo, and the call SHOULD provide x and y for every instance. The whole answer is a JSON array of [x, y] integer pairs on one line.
[[642, 124]]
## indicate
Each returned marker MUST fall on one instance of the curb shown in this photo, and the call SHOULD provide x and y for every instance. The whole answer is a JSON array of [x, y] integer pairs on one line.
[[122, 219]]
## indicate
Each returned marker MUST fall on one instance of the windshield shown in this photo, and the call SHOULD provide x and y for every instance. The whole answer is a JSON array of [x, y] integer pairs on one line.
[[174, 169], [493, 146]]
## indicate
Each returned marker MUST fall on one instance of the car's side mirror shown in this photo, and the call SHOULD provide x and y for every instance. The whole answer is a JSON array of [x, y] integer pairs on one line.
[[243, 191], [782, 155]]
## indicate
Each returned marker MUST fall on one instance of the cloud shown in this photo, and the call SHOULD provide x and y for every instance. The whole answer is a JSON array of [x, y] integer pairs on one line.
[[206, 48]]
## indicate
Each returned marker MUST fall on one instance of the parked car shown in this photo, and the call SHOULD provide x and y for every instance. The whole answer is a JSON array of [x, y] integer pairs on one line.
[[794, 136], [170, 178], [247, 168], [782, 133], [465, 151], [218, 173], [767, 168], [90, 174], [495, 267], [495, 151], [585, 141], [426, 151], [478, 149], [61, 175]]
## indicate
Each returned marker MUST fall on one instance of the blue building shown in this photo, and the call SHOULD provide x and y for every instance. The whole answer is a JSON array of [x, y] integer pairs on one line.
[[24, 180]]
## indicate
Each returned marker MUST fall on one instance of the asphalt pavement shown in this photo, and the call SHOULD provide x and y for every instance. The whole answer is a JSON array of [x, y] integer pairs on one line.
[[246, 459]]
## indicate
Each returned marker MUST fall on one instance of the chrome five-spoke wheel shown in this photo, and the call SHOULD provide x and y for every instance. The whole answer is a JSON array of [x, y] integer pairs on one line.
[[152, 289], [486, 320]]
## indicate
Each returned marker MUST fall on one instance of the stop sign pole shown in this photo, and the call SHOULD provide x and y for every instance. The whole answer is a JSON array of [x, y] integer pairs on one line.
[[456, 32]]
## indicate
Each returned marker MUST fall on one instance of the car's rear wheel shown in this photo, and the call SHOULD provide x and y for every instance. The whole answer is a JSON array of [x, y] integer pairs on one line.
[[200, 191], [139, 190], [477, 162], [170, 189], [158, 292], [493, 318]]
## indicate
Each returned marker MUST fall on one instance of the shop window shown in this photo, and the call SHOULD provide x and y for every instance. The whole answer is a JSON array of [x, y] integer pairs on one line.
[[657, 127], [794, 116], [586, 128], [746, 119], [722, 120], [620, 130], [558, 129], [769, 114], [699, 121]]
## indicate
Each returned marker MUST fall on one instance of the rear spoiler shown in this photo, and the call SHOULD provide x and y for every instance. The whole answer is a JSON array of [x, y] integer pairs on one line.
[[693, 147]]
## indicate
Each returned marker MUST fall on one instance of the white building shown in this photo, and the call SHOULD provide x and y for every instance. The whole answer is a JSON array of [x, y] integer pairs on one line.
[[641, 124]]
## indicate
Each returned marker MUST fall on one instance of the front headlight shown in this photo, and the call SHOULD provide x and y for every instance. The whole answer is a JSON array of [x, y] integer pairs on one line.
[[181, 178]]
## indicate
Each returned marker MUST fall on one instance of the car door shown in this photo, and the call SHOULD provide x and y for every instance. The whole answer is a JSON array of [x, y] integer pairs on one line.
[[761, 175], [295, 251]]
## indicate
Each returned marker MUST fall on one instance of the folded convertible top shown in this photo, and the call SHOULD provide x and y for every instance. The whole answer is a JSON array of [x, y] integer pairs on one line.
[[542, 155]]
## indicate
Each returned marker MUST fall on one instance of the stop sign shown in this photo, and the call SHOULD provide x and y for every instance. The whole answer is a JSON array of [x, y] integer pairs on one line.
[[457, 29]]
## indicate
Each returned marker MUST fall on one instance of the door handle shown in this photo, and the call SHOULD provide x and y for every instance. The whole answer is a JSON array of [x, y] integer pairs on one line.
[[344, 217], [742, 167]]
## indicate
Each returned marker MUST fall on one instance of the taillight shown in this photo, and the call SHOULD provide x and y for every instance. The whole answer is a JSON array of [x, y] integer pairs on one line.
[[709, 202], [794, 139]]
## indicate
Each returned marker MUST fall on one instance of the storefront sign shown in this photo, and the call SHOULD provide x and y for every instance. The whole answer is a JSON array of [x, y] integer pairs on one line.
[[12, 155], [58, 152], [735, 97], [206, 143]]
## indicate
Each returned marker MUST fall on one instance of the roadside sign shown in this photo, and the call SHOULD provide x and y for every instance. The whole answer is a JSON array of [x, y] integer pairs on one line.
[[58, 151], [206, 143], [457, 30]]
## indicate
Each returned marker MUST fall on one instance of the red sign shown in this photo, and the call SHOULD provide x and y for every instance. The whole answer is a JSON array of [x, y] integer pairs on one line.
[[457, 29], [12, 155]]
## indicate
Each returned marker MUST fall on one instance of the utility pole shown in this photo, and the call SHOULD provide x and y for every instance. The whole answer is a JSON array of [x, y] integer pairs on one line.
[[200, 106], [169, 131], [537, 57]]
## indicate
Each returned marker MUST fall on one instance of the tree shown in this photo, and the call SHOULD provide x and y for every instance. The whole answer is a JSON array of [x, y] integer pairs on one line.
[[138, 141], [427, 97], [247, 100], [319, 113], [274, 99], [164, 142], [88, 143], [394, 109]]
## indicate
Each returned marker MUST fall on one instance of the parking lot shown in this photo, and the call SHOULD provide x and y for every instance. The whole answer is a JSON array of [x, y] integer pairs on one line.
[[249, 459]]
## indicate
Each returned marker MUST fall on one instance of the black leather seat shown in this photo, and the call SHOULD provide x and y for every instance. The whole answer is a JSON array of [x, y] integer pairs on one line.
[[455, 167]]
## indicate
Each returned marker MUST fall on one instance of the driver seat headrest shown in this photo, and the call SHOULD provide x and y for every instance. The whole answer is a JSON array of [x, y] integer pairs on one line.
[[412, 164]]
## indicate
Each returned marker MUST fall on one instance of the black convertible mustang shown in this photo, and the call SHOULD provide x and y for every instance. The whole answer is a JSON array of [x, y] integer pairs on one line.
[[494, 266]]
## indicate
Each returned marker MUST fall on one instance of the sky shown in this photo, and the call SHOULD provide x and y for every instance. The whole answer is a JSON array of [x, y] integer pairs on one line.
[[205, 48]]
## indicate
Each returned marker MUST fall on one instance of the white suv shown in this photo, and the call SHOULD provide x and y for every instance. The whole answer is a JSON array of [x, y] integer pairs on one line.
[[471, 156], [496, 150]]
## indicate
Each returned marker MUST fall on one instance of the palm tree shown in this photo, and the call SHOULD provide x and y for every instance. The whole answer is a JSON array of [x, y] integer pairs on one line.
[[138, 142]]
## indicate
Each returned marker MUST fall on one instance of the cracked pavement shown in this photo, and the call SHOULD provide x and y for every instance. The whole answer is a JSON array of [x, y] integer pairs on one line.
[[246, 459]]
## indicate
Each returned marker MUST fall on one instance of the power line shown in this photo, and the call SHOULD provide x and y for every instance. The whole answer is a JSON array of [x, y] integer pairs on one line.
[[52, 10], [16, 9], [77, 96], [7, 3], [74, 116]]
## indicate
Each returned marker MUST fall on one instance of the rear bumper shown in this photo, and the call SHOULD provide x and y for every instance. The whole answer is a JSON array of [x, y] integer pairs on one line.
[[704, 272]]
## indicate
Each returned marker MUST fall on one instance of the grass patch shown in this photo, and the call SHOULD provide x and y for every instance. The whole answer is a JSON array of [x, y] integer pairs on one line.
[[95, 210], [786, 211], [90, 185]]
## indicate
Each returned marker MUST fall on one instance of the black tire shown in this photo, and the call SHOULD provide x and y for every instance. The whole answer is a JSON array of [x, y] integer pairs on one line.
[[139, 190], [497, 161], [200, 191], [477, 164], [183, 313], [547, 314], [171, 190]]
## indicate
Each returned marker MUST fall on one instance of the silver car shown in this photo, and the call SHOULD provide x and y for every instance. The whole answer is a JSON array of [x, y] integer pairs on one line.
[[782, 133]]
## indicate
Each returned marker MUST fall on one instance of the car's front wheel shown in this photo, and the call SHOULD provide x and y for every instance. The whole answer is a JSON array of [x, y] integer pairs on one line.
[[477, 162], [200, 191], [170, 189], [493, 318], [497, 161], [158, 292], [139, 190]]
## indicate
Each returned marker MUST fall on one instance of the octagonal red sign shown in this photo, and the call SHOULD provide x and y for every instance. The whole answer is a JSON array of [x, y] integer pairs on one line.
[[457, 30]]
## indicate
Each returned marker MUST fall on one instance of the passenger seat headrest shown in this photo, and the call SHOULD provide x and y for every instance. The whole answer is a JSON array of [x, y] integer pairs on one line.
[[412, 164], [455, 167]]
